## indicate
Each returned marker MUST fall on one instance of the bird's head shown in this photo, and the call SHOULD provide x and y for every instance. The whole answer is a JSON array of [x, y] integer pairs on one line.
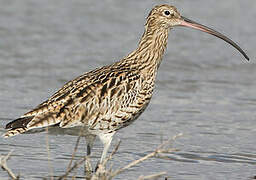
[[166, 17], [163, 16]]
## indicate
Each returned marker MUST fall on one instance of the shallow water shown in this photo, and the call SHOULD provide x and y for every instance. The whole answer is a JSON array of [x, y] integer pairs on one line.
[[205, 89]]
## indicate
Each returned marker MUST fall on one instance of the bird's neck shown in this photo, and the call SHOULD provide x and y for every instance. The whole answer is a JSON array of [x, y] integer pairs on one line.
[[152, 45]]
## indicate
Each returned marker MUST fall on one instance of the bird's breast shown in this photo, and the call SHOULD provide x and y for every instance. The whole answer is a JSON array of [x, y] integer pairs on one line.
[[124, 109]]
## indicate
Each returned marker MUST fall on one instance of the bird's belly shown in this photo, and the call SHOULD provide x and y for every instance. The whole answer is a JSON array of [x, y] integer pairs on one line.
[[120, 119], [129, 117], [119, 113]]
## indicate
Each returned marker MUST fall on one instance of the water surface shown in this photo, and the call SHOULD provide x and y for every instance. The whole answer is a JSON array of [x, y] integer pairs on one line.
[[205, 89]]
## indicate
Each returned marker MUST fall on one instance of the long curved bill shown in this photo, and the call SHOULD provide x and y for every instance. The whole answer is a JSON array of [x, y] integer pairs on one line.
[[192, 24]]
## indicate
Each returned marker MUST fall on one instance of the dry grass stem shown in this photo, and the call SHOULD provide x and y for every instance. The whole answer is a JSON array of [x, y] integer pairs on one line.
[[75, 149], [169, 141], [112, 153], [76, 165], [115, 173], [69, 169], [102, 173], [3, 164], [88, 166], [153, 176], [159, 150], [50, 166]]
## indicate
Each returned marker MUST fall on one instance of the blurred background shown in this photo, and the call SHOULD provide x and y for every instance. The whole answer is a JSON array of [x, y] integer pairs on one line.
[[205, 89]]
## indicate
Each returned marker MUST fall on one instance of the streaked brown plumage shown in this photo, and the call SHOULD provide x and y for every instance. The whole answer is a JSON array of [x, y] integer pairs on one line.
[[112, 97]]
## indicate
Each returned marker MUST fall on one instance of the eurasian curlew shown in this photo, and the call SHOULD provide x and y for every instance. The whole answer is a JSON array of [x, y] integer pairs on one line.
[[112, 97]]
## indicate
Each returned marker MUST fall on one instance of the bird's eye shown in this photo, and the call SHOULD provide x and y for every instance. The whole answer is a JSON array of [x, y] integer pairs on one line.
[[167, 13]]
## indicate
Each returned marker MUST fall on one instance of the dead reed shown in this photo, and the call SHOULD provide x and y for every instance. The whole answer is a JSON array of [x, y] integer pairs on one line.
[[102, 172]]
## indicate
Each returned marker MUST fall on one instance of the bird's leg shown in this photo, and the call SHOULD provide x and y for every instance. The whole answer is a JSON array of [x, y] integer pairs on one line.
[[106, 139], [89, 144]]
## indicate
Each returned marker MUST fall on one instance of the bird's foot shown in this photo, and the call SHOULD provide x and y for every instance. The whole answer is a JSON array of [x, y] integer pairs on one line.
[[88, 167], [97, 166]]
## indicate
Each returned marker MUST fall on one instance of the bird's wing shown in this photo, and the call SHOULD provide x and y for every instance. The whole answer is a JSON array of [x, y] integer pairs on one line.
[[79, 100]]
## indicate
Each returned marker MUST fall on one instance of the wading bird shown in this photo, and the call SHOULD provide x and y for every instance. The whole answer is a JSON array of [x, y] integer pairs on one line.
[[112, 97]]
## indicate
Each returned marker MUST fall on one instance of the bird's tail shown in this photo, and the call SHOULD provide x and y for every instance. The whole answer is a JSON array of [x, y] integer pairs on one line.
[[17, 126]]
